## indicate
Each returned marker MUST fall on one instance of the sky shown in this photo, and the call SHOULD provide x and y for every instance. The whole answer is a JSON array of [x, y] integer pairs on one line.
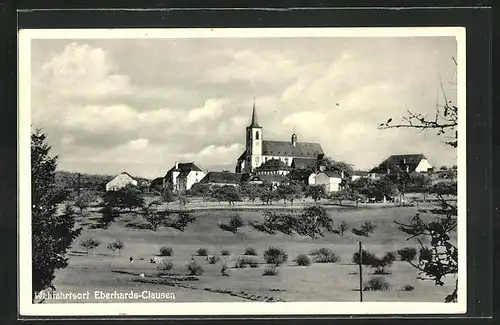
[[140, 105]]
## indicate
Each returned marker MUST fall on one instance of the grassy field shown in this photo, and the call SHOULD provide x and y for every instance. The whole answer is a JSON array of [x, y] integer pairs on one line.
[[103, 270]]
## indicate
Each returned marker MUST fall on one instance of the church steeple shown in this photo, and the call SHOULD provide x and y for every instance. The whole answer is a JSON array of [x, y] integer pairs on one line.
[[255, 123]]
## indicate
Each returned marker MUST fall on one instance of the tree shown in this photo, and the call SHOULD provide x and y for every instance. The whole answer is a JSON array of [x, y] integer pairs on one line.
[[342, 227], [227, 193], [420, 183], [83, 200], [52, 233], [116, 245], [89, 244], [441, 258], [329, 164], [201, 190], [267, 195], [251, 191], [168, 195], [128, 197], [289, 192], [315, 192], [154, 218], [340, 195]]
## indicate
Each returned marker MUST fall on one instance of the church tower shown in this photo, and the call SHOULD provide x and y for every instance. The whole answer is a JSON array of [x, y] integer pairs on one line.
[[254, 138]]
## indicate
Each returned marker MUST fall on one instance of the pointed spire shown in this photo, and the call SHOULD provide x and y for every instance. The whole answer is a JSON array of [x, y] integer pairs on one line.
[[254, 123]]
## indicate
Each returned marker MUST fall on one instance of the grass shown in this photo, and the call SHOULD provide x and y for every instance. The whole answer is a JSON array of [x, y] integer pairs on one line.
[[317, 282]]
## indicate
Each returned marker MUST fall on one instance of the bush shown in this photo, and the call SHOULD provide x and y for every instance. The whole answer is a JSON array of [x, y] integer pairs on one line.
[[236, 222], [166, 251], [303, 260], [368, 227], [225, 252], [214, 259], [165, 265], [407, 254], [202, 252], [250, 251], [270, 271], [116, 245], [223, 270], [408, 287], [376, 284], [275, 256], [367, 258], [194, 268], [325, 255], [89, 244], [243, 262]]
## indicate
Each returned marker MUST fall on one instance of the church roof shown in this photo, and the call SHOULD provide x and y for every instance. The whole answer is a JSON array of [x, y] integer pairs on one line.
[[285, 148], [303, 163], [395, 162], [223, 177]]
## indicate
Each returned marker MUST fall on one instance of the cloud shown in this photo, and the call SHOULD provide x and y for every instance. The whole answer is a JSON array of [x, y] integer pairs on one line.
[[212, 153], [212, 109], [140, 105]]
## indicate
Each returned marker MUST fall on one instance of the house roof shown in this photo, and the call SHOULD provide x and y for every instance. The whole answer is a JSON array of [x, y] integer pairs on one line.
[[273, 164], [184, 168], [223, 177], [267, 178], [395, 162], [303, 163], [331, 174], [125, 173], [360, 173], [285, 148]]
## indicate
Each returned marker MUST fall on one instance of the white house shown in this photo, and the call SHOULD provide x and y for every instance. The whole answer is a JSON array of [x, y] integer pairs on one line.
[[182, 176], [120, 181], [330, 179], [357, 174]]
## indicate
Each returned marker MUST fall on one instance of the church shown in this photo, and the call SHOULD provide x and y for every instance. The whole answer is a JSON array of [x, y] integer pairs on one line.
[[264, 152]]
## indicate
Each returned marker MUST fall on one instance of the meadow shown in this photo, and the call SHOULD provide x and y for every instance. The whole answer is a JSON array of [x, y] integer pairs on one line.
[[105, 270]]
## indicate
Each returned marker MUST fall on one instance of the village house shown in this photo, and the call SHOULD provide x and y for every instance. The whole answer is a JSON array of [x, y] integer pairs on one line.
[[120, 181], [182, 176], [330, 179], [223, 178], [357, 174], [397, 163], [259, 151], [273, 167]]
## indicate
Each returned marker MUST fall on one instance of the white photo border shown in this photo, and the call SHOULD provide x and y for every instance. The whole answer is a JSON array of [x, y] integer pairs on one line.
[[27, 308]]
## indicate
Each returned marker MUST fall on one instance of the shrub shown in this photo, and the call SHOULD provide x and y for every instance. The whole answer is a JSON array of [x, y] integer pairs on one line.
[[408, 287], [116, 245], [165, 265], [243, 262], [342, 228], [270, 271], [275, 256], [303, 260], [89, 244], [407, 254], [166, 251], [367, 227], [325, 255], [223, 270], [214, 259], [194, 268], [202, 252], [250, 251], [376, 284], [236, 222], [225, 252], [367, 258]]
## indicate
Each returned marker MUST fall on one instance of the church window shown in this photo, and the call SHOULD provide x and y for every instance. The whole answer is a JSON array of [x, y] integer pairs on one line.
[[257, 135]]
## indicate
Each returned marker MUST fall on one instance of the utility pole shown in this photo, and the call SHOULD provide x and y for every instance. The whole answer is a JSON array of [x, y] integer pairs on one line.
[[360, 272]]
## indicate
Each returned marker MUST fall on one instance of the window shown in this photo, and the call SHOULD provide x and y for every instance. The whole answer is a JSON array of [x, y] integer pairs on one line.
[[257, 135]]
